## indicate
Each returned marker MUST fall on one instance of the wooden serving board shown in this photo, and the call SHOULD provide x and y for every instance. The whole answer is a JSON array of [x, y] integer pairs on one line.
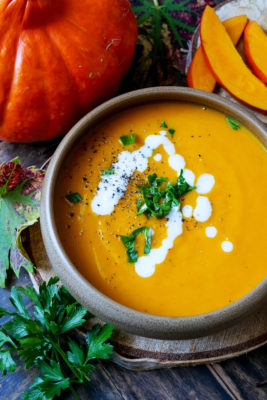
[[139, 353], [255, 10]]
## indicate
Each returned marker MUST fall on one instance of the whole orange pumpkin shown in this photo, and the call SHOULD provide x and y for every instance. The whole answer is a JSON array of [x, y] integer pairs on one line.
[[59, 59]]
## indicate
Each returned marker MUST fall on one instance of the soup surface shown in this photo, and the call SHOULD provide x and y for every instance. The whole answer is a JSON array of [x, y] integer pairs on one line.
[[203, 255]]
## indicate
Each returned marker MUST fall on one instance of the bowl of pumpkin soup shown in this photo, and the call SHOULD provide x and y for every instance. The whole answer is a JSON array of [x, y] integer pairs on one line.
[[154, 212]]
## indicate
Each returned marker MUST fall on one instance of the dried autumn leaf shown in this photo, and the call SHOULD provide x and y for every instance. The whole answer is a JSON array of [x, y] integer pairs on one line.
[[20, 192]]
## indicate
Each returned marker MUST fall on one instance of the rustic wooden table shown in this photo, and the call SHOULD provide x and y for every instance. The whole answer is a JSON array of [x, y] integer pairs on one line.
[[240, 378]]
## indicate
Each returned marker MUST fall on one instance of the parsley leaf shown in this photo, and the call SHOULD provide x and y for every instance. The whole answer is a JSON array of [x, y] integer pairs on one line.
[[126, 140], [171, 132], [74, 197], [7, 364], [129, 243], [109, 171], [163, 125], [157, 200], [43, 340], [234, 124], [96, 343]]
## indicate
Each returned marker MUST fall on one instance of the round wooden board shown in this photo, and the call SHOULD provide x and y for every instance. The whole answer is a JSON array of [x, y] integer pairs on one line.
[[255, 10], [139, 353]]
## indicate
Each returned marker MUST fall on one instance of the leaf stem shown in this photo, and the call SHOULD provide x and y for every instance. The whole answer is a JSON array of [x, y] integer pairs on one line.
[[63, 356], [75, 394], [156, 3]]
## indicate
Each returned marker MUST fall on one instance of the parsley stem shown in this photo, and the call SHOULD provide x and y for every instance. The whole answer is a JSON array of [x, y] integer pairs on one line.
[[156, 3], [75, 394], [63, 356]]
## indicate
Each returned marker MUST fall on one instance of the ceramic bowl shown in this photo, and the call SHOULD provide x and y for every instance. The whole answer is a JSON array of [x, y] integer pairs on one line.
[[108, 310]]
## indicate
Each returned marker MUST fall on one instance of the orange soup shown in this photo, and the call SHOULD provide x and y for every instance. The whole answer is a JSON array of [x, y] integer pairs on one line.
[[163, 209]]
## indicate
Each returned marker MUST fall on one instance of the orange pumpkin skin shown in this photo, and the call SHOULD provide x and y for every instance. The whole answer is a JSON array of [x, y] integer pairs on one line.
[[255, 48], [59, 59]]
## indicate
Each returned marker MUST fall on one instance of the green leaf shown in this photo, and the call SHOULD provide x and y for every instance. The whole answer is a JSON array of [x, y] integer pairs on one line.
[[234, 124], [30, 293], [41, 341], [96, 341], [126, 140], [4, 312], [51, 371], [17, 327], [129, 243], [74, 319], [7, 364], [164, 125], [165, 28], [20, 192], [182, 187], [158, 201], [74, 197], [109, 171], [17, 302], [76, 353], [148, 235], [43, 389], [4, 339], [171, 132], [34, 394]]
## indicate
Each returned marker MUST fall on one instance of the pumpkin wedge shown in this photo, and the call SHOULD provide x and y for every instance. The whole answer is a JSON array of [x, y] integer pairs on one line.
[[227, 64], [255, 48], [199, 74]]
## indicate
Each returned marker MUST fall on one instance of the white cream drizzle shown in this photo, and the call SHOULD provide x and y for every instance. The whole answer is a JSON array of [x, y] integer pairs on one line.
[[227, 246], [211, 231], [112, 188], [203, 209], [157, 157], [189, 176], [205, 183], [145, 265], [187, 211]]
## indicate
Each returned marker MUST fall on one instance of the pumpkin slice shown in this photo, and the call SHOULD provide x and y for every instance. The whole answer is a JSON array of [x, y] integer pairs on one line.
[[227, 64], [199, 74], [255, 48]]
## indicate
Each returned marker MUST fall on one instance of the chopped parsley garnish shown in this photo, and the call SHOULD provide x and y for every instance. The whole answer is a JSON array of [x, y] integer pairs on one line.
[[129, 243], [109, 171], [171, 132], [74, 197], [164, 125], [157, 200], [234, 124], [126, 140]]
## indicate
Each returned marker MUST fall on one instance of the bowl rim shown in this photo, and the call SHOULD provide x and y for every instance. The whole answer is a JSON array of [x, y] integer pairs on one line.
[[123, 317]]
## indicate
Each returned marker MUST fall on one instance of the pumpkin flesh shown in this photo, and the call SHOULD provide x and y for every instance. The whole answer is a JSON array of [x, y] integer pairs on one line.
[[227, 65], [199, 74]]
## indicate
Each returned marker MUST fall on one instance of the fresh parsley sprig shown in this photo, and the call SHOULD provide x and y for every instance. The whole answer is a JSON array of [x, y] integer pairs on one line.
[[129, 243], [46, 341], [158, 201]]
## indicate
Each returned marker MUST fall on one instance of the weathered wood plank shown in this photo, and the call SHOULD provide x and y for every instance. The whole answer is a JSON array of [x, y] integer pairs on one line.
[[247, 372], [29, 153], [168, 384]]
